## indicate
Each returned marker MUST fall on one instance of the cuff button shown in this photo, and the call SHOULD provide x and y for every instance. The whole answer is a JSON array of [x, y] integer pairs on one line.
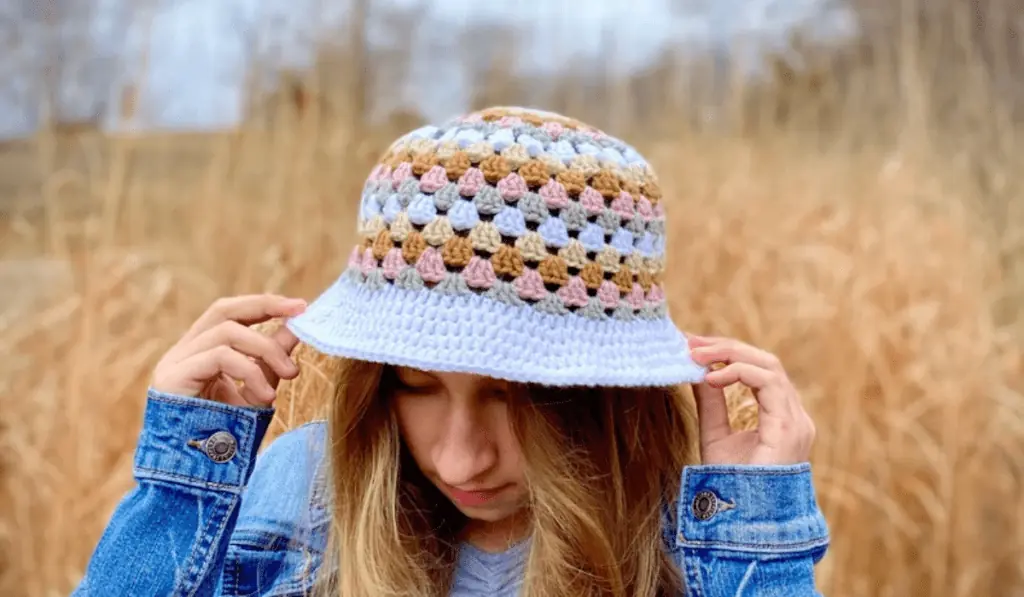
[[220, 447], [705, 505]]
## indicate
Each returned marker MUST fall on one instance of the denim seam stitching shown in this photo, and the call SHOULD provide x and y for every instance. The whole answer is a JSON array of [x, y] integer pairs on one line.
[[237, 576], [206, 404], [769, 547], [233, 503], [692, 576], [228, 586], [193, 567], [159, 475], [262, 540], [730, 472]]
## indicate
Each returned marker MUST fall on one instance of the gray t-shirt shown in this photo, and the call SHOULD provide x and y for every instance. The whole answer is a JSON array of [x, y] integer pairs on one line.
[[479, 572]]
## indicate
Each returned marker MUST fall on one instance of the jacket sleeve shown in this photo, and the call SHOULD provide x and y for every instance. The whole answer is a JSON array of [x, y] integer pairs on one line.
[[749, 530], [169, 534]]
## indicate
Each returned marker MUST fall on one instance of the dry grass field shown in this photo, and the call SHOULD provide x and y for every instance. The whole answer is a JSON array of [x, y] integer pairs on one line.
[[884, 274]]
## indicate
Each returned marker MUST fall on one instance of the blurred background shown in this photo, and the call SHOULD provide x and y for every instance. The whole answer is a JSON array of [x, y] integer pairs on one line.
[[845, 189]]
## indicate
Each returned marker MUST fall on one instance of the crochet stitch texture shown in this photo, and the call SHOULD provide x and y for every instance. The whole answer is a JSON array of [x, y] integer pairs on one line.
[[509, 242]]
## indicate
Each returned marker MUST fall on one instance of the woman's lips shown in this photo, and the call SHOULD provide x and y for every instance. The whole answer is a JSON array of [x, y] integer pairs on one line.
[[474, 498]]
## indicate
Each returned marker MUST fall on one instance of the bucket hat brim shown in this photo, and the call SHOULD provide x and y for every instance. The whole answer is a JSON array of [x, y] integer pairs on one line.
[[472, 333]]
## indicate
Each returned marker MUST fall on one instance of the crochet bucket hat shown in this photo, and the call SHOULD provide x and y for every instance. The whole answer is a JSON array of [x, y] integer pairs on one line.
[[513, 243]]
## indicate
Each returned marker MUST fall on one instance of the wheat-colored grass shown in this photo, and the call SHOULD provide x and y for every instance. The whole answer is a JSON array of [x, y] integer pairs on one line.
[[879, 304], [891, 297]]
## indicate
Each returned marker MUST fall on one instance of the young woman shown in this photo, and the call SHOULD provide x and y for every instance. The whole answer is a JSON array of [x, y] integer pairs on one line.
[[509, 405]]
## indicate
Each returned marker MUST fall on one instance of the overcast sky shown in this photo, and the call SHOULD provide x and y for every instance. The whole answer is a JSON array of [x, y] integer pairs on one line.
[[197, 50]]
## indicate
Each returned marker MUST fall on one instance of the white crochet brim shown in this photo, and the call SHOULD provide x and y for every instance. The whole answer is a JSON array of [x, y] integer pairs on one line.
[[471, 333]]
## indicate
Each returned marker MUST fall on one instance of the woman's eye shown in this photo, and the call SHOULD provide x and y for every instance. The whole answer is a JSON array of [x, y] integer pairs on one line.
[[415, 386], [500, 394]]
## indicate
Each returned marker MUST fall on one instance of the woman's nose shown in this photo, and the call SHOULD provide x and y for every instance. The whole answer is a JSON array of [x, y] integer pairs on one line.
[[465, 452]]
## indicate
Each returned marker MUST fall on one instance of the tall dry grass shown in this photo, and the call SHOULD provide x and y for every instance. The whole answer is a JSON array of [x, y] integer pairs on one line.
[[877, 271]]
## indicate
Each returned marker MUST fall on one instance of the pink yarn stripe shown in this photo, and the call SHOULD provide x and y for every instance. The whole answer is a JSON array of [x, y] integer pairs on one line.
[[369, 262], [623, 205], [644, 207], [592, 201], [530, 285], [655, 296], [636, 298], [394, 263], [479, 273], [512, 187], [471, 182], [431, 266], [554, 194], [609, 294], [574, 293], [434, 180], [401, 173]]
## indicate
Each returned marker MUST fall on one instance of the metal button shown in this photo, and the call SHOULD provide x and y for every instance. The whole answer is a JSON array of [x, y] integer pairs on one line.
[[220, 447], [705, 505]]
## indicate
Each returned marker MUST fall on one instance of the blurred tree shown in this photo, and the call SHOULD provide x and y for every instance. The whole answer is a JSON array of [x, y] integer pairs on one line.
[[487, 56], [78, 56], [354, 75], [947, 61]]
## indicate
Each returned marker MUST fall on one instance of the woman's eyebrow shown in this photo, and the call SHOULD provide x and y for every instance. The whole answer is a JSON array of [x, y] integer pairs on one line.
[[488, 384], [414, 374]]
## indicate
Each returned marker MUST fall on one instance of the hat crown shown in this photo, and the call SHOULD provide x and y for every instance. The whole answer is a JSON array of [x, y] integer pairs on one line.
[[523, 206], [513, 243]]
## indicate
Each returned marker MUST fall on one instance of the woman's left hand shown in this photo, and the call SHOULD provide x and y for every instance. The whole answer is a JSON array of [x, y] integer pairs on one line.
[[785, 432]]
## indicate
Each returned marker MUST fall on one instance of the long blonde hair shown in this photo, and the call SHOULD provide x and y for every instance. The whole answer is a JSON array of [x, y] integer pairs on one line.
[[601, 465]]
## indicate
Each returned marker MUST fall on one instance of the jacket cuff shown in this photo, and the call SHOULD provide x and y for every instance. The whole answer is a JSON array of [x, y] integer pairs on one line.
[[199, 443], [750, 508]]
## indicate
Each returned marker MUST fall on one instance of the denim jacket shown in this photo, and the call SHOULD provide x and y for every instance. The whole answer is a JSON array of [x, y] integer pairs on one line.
[[207, 517]]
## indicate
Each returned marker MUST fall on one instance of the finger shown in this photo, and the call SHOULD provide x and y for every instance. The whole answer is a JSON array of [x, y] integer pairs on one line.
[[246, 310], [712, 413], [727, 351], [246, 341], [222, 359], [286, 342], [695, 340], [285, 339], [769, 387]]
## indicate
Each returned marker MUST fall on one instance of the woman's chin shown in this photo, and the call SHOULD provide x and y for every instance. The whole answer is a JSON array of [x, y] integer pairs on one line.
[[487, 512]]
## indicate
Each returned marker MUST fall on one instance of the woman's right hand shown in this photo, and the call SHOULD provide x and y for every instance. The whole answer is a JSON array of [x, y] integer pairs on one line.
[[221, 358]]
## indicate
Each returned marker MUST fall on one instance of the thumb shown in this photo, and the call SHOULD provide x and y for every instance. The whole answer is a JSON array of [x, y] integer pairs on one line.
[[712, 413]]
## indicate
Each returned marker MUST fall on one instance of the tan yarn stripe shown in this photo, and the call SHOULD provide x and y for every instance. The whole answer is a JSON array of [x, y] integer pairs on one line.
[[493, 114], [607, 178]]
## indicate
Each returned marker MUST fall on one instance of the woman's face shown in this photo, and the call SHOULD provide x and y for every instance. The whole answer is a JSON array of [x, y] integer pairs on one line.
[[457, 428]]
